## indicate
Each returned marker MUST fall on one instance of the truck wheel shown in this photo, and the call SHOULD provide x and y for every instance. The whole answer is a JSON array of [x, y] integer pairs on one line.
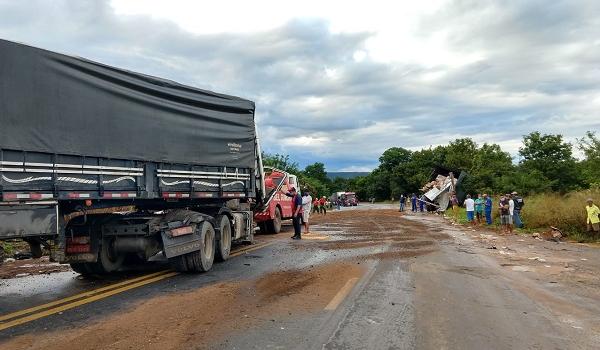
[[224, 244], [201, 260], [274, 226], [108, 260]]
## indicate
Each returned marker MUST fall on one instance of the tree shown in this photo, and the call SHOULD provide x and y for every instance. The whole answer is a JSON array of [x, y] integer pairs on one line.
[[590, 166], [317, 171], [280, 161], [553, 158]]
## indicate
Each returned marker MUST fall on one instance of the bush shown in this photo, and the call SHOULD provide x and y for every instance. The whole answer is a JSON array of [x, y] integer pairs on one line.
[[567, 212]]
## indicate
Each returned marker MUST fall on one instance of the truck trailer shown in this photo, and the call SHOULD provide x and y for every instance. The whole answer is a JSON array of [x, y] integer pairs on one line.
[[102, 165]]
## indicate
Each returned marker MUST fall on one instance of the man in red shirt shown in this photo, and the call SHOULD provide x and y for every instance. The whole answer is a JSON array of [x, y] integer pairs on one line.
[[322, 204]]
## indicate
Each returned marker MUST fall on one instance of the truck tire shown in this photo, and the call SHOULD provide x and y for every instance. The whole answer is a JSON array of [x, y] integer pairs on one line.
[[107, 260], [224, 244], [201, 260], [274, 226]]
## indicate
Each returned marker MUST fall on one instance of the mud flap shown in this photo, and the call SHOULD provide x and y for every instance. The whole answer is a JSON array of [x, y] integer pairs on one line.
[[175, 246]]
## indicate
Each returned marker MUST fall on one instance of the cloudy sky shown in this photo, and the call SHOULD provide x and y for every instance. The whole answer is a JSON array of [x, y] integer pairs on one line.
[[341, 81]]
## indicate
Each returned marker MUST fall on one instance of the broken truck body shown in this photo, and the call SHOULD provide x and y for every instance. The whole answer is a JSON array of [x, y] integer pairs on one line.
[[443, 182], [99, 163]]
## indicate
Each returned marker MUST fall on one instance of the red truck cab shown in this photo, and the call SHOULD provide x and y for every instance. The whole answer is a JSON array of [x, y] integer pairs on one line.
[[278, 206]]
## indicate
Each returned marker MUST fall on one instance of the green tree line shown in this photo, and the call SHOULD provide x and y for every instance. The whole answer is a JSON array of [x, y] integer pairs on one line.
[[546, 164]]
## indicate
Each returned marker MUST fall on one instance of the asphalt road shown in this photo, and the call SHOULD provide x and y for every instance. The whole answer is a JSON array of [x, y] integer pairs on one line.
[[366, 278]]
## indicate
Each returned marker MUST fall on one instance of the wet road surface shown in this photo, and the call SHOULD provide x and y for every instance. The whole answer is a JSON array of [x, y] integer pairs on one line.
[[366, 278]]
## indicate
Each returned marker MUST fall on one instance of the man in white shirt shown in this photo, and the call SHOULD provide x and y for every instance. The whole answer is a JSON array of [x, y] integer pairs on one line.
[[306, 207], [470, 206], [511, 212]]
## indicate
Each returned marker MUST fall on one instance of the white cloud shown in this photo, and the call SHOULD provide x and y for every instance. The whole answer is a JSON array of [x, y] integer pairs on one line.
[[341, 81]]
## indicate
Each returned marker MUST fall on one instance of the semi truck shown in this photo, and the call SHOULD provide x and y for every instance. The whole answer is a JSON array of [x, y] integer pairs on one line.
[[102, 166]]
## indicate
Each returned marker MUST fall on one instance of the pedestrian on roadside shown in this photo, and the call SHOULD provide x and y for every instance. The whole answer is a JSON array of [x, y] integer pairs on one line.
[[519, 203], [479, 203], [454, 202], [306, 209], [315, 205], [413, 200], [422, 203], [488, 208], [296, 212], [470, 206], [593, 217], [323, 205], [504, 214], [402, 202], [511, 211], [338, 204]]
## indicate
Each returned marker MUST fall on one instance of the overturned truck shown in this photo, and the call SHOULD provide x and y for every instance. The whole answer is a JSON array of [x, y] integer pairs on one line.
[[442, 184], [103, 166]]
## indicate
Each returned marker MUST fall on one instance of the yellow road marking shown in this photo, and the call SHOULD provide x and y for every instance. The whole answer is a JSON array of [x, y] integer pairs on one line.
[[83, 301], [314, 237], [96, 294], [246, 250], [341, 295], [78, 296]]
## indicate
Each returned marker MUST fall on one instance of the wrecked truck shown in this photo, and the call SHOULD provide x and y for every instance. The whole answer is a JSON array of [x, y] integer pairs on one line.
[[102, 165], [442, 183]]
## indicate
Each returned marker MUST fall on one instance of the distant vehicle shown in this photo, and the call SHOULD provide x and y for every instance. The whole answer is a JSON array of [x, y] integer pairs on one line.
[[346, 199], [277, 206]]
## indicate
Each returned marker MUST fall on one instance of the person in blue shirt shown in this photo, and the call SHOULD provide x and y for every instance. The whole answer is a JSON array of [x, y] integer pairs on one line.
[[422, 204], [296, 212], [413, 200], [488, 208]]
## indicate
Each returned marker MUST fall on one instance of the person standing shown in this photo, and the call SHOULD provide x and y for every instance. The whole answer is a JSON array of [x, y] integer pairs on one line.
[[519, 203], [296, 212], [511, 211], [454, 203], [422, 203], [593, 219], [470, 206], [402, 201], [413, 200], [504, 214], [315, 205], [306, 209], [479, 209], [323, 205], [488, 208]]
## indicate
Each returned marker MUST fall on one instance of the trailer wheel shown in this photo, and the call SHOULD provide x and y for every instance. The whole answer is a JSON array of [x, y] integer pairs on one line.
[[108, 260], [274, 226], [224, 244], [201, 260]]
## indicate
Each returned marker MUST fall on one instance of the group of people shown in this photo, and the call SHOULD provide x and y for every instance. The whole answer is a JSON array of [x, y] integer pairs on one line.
[[509, 207], [417, 203], [302, 206]]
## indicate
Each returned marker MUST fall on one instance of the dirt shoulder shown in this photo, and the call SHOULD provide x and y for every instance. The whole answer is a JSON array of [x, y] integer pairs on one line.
[[26, 267]]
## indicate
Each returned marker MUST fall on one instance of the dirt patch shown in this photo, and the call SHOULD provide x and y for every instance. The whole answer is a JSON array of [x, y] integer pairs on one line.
[[27, 267], [398, 237], [198, 319], [398, 254]]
